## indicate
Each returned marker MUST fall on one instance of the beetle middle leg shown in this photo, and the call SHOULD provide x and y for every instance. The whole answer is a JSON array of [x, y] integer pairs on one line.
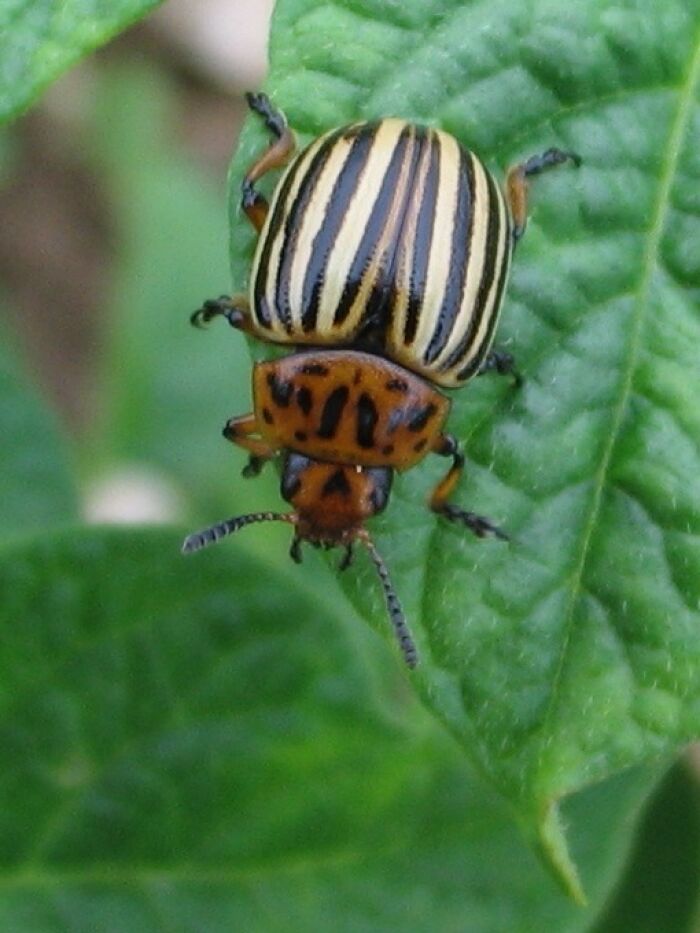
[[446, 445], [241, 431], [235, 308], [516, 183], [276, 155], [503, 363]]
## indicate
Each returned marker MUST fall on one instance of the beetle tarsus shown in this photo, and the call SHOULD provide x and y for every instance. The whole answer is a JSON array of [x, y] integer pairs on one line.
[[274, 119], [346, 559], [482, 527], [295, 550], [504, 364], [254, 465], [539, 163], [219, 307]]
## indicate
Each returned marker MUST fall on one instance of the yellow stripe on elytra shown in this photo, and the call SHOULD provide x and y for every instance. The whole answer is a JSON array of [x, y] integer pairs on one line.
[[440, 247], [389, 231], [475, 252], [303, 160], [353, 229], [476, 346], [311, 222], [404, 261]]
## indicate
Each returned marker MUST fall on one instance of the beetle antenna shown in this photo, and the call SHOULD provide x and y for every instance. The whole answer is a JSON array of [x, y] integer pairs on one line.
[[396, 614], [200, 539]]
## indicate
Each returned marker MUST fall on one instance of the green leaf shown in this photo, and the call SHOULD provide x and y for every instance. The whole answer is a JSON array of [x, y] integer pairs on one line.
[[37, 489], [185, 749], [42, 38], [574, 651]]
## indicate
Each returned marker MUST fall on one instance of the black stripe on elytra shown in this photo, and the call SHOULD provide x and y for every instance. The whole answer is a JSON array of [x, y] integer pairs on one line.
[[292, 228], [494, 235], [419, 418], [332, 412], [385, 298], [336, 207], [462, 230], [374, 228], [475, 363], [280, 390], [336, 483], [423, 242], [366, 421], [261, 307]]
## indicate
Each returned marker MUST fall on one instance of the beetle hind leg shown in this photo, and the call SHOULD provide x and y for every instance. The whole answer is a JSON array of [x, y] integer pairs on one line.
[[447, 446], [276, 155], [516, 183]]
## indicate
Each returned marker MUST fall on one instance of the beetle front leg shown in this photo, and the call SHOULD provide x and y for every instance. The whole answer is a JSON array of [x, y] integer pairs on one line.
[[446, 445], [275, 156], [516, 183], [241, 431]]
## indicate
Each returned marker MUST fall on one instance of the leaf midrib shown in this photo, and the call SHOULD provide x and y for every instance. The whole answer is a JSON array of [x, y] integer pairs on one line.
[[649, 264]]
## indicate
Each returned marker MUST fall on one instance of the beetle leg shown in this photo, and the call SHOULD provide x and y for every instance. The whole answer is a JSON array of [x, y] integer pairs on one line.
[[295, 549], [276, 155], [240, 431], [236, 310], [253, 466], [446, 446], [347, 557], [516, 183], [504, 364]]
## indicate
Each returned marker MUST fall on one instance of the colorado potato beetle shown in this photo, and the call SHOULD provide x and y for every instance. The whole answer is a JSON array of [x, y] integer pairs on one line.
[[382, 261]]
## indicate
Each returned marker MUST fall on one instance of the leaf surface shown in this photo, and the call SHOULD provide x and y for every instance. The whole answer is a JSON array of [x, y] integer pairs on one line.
[[185, 749], [573, 651]]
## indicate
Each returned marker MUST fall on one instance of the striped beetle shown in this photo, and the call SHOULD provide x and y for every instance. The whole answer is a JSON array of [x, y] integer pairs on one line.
[[383, 255]]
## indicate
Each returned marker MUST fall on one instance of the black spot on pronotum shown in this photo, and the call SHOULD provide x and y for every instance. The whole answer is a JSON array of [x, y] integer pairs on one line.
[[332, 412], [281, 391], [420, 445], [388, 450], [366, 421], [304, 399], [397, 385], [336, 483], [419, 418], [301, 436], [314, 369], [267, 416]]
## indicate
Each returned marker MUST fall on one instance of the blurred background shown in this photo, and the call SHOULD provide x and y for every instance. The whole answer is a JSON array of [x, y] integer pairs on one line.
[[113, 199]]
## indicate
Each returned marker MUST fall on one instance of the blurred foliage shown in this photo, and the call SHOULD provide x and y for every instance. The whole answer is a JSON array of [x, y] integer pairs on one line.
[[219, 742], [39, 39]]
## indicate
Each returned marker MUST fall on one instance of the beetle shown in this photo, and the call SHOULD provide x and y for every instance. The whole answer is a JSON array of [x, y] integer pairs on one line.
[[381, 262]]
